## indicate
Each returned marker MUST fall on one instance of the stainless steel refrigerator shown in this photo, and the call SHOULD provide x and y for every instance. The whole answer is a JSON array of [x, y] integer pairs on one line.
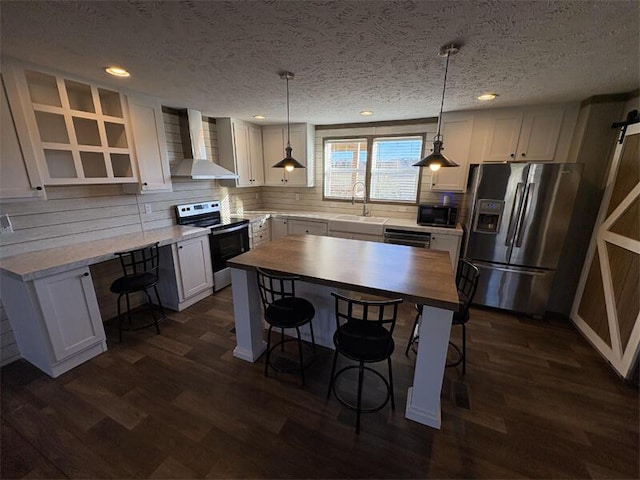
[[517, 223]]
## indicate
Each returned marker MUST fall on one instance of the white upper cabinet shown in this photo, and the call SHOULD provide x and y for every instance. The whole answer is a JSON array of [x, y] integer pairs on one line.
[[240, 150], [150, 145], [302, 143], [19, 178], [79, 132], [522, 135], [456, 133]]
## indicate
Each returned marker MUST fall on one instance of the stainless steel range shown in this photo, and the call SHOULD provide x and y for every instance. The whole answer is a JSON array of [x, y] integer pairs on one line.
[[227, 239]]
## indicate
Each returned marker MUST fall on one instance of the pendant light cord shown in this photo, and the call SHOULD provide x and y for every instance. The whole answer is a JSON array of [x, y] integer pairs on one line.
[[288, 131], [444, 87]]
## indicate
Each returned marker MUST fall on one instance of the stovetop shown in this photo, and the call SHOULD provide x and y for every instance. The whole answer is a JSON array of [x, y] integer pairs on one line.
[[205, 215]]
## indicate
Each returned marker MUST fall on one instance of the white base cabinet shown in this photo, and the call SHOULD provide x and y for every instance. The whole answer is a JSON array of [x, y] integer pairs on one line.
[[186, 276], [307, 227], [356, 236], [279, 227], [259, 232], [448, 243], [55, 319]]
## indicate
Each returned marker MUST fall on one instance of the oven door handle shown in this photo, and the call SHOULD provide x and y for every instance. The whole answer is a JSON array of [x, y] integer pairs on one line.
[[222, 231]]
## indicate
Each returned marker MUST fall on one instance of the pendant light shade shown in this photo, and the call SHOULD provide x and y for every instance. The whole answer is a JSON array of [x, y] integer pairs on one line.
[[288, 162], [436, 159]]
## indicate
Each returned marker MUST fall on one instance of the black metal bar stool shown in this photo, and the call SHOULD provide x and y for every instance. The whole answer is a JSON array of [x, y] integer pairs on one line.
[[282, 309], [466, 283], [364, 333], [140, 269]]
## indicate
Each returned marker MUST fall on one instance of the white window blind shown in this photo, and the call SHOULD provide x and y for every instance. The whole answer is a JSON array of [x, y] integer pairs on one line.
[[345, 163], [393, 177]]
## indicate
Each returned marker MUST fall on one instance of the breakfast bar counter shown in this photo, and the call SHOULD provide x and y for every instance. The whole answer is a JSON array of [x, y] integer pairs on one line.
[[51, 301], [326, 264], [41, 263]]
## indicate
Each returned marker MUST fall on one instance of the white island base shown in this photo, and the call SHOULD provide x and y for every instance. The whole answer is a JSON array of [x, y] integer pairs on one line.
[[423, 399]]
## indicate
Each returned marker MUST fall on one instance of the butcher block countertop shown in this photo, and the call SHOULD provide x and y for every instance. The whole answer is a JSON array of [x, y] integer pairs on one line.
[[29, 266], [417, 275]]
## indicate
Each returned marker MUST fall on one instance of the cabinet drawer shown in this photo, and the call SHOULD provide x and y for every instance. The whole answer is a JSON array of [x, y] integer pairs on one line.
[[260, 227], [298, 227], [260, 239]]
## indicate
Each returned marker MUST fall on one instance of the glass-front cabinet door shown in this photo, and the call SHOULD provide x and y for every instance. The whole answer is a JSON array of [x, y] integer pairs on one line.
[[79, 130]]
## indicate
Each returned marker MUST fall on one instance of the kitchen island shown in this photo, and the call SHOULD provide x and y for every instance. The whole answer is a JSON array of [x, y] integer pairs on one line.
[[326, 264]]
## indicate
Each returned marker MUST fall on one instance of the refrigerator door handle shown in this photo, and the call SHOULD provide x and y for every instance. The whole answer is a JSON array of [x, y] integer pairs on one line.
[[512, 225], [528, 271], [528, 193]]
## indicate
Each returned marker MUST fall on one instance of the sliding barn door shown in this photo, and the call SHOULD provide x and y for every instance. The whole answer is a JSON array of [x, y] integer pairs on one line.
[[607, 305]]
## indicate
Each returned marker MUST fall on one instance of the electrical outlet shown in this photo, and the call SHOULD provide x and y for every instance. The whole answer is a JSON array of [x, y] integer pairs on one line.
[[147, 208], [297, 197], [257, 196], [5, 224], [402, 209]]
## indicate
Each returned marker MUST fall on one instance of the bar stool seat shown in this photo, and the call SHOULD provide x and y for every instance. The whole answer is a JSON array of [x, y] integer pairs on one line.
[[134, 283], [289, 312]]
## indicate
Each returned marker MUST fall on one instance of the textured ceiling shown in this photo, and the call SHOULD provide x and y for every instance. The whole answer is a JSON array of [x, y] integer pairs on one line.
[[224, 57]]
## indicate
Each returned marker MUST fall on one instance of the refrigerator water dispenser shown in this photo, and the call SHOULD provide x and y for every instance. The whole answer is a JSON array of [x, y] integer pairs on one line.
[[488, 216]]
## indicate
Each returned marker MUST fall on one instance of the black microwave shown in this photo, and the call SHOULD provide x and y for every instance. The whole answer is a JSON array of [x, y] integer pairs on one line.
[[438, 215]]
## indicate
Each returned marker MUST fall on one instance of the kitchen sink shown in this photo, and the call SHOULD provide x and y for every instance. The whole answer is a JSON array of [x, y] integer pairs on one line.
[[360, 218], [357, 224]]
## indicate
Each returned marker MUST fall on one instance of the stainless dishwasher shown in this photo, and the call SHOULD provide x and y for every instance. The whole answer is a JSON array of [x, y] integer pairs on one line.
[[410, 238]]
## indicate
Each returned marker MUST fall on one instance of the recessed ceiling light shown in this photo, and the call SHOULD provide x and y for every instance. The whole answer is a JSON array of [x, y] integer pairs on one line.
[[117, 72], [366, 113], [487, 96], [259, 117]]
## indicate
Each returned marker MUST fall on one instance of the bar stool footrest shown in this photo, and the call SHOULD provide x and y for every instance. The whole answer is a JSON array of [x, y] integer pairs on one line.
[[309, 359], [355, 407]]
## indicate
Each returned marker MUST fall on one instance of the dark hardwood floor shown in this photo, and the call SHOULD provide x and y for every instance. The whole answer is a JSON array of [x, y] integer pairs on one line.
[[536, 402]]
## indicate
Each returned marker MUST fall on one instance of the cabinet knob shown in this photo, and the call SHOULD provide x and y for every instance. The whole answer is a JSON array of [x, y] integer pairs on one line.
[[85, 274], [145, 184], [512, 155], [307, 231], [38, 188], [180, 247], [524, 154]]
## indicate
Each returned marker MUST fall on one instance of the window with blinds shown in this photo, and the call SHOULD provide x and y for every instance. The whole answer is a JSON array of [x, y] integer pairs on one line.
[[393, 178], [345, 163]]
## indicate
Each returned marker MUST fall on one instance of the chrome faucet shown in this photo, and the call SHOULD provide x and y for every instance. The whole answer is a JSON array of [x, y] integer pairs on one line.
[[365, 210]]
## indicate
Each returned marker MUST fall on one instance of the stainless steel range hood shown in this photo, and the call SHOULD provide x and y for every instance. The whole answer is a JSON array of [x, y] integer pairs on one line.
[[196, 165]]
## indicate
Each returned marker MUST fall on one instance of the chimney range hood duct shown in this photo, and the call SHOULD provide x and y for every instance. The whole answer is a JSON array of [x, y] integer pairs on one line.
[[197, 167]]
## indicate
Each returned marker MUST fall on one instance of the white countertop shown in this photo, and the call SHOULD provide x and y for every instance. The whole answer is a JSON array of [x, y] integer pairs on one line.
[[29, 266], [404, 223]]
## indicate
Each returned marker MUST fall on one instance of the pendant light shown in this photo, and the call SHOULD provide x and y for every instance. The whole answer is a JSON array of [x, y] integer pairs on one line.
[[436, 159], [288, 162]]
